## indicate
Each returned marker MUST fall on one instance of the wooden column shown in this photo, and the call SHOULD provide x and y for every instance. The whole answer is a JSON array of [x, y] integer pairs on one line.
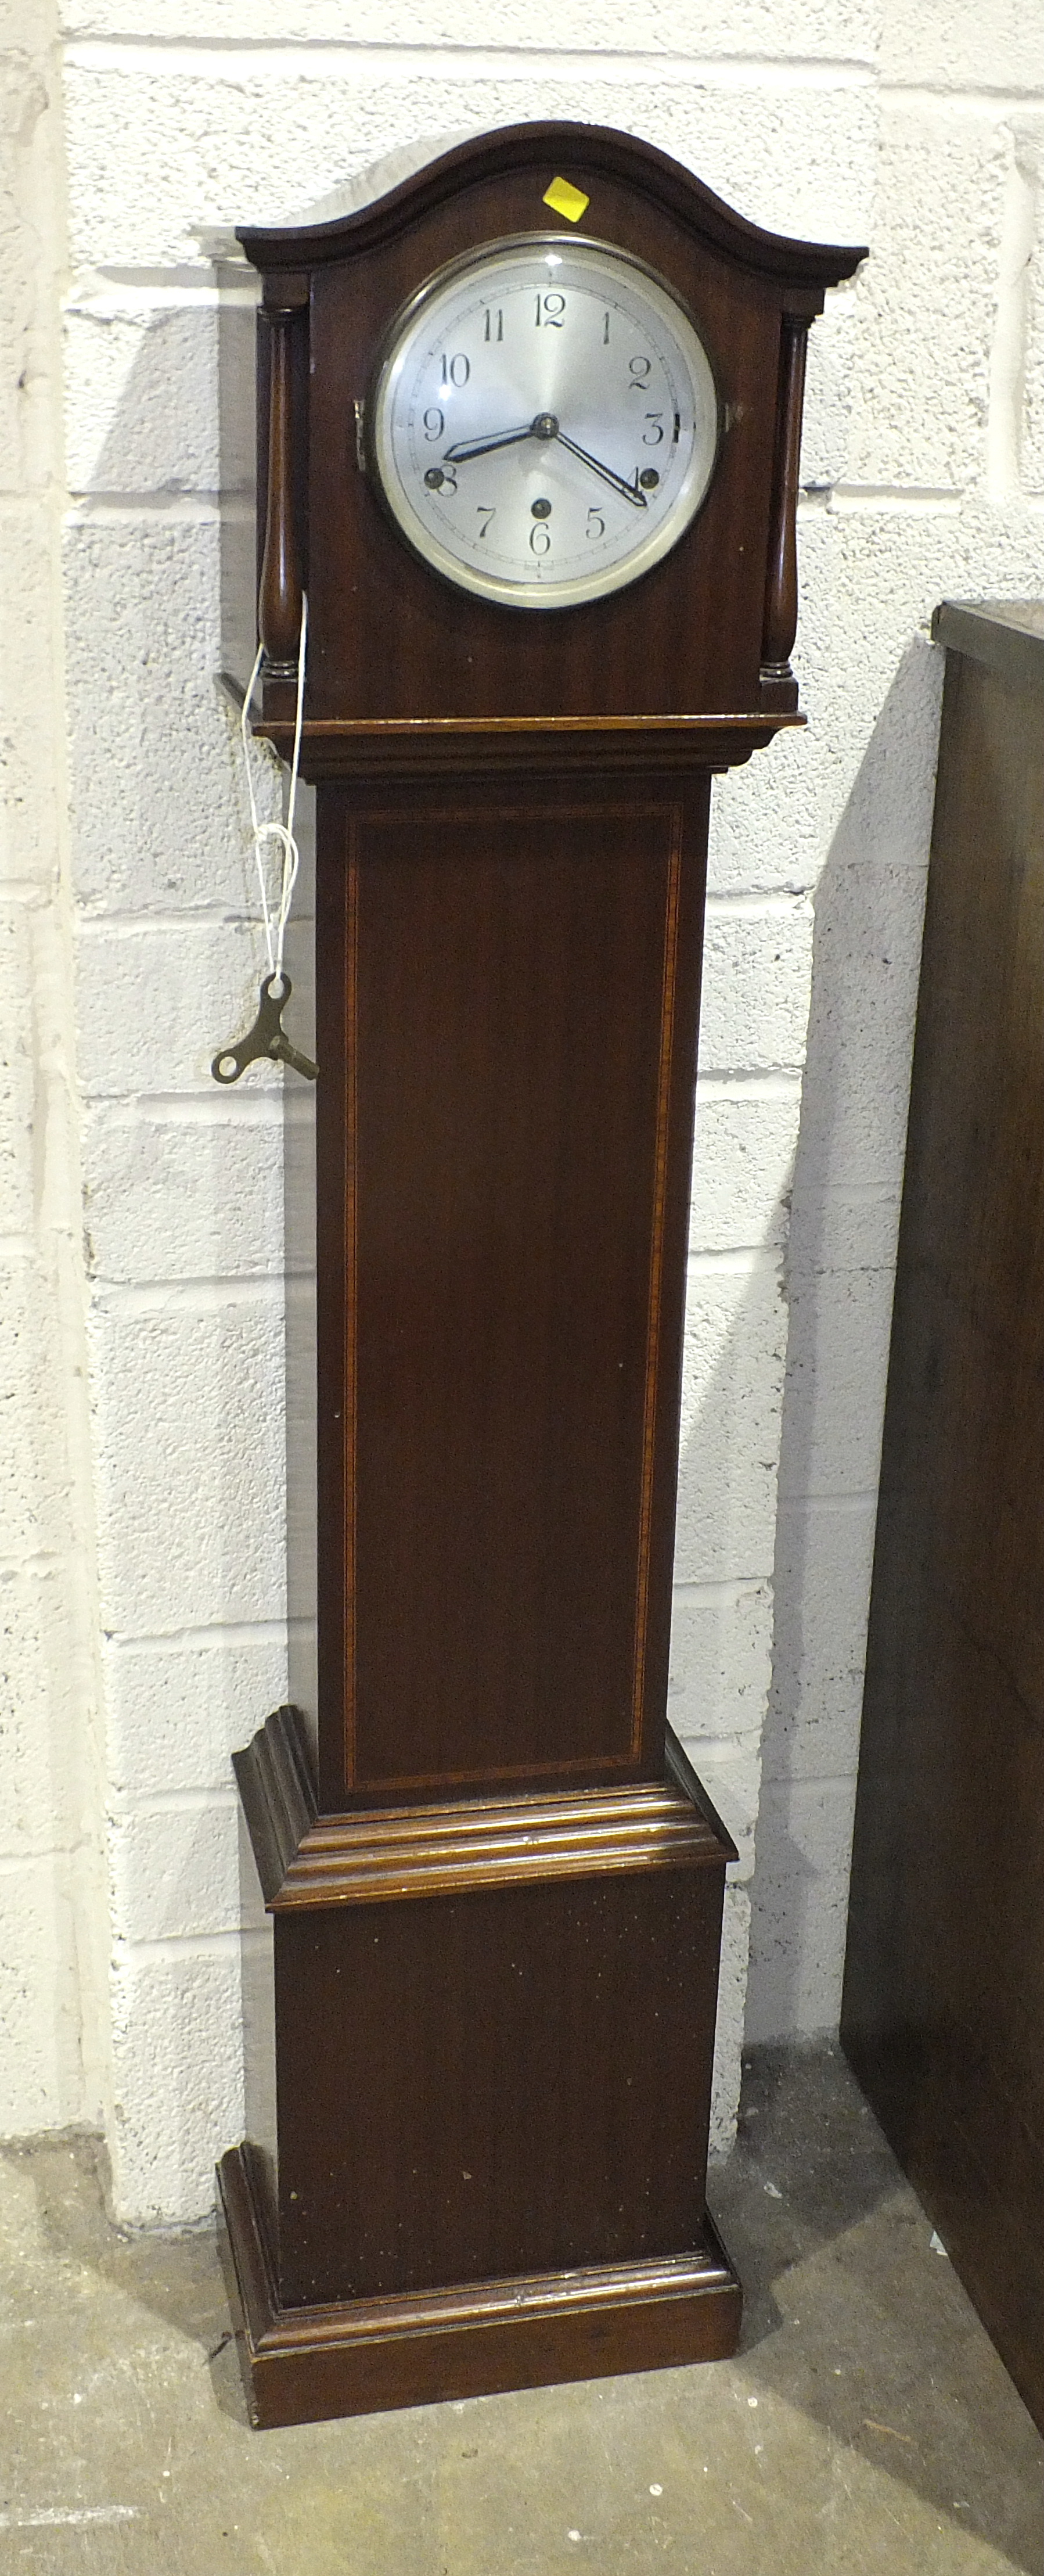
[[281, 585], [778, 685]]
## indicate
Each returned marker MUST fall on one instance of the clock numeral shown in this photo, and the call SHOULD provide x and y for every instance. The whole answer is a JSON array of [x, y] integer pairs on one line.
[[639, 370], [449, 478], [540, 539], [489, 333], [455, 371], [595, 523], [484, 512], [605, 330], [550, 312], [434, 423], [653, 437]]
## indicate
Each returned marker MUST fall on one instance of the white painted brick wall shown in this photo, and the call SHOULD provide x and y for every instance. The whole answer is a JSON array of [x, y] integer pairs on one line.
[[53, 1919], [923, 463]]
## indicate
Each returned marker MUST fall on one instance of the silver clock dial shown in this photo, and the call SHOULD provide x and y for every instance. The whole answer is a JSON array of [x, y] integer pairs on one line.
[[545, 422]]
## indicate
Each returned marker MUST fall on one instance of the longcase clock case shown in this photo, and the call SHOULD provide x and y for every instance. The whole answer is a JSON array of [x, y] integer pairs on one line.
[[480, 2032]]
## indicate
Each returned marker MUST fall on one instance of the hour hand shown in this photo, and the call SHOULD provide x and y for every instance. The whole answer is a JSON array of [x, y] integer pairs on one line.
[[463, 448], [628, 491]]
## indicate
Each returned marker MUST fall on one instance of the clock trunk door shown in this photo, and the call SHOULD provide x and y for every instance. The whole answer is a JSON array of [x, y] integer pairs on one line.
[[508, 1059]]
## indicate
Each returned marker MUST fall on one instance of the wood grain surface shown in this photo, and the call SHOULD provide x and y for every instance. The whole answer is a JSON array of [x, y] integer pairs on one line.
[[944, 1989], [355, 2357], [481, 2029], [507, 1029]]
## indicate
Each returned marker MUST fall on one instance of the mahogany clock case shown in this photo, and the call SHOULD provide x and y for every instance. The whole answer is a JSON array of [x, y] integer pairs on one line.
[[387, 638], [481, 2019]]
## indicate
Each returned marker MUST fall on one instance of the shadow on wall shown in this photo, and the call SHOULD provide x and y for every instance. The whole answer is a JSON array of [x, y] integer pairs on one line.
[[721, 1635], [869, 909]]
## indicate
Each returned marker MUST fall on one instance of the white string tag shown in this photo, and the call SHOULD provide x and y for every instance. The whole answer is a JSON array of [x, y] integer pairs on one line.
[[268, 1037], [281, 833]]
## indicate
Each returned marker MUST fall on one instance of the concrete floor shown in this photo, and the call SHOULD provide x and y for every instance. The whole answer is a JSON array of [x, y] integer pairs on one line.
[[866, 2429]]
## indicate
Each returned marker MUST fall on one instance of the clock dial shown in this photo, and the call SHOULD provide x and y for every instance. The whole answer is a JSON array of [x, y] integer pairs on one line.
[[545, 422]]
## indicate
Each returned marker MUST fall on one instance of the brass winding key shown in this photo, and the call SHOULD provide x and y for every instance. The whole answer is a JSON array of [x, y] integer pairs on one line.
[[267, 1037]]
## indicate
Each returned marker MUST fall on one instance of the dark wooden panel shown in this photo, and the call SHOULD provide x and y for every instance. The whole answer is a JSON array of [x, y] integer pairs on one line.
[[944, 1989], [515, 2082], [506, 1121]]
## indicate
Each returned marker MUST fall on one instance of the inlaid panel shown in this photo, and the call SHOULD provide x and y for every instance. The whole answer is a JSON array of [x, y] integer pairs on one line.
[[522, 2109], [516, 1057]]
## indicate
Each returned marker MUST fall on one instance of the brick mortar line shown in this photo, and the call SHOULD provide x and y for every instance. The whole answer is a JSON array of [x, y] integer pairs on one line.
[[792, 1780], [267, 1107], [209, 1638], [214, 1291], [127, 924], [769, 1088], [201, 56], [972, 97], [792, 72], [735, 1261], [39, 895], [171, 509], [196, 506], [137, 925], [174, 1802], [188, 1296], [179, 1108], [725, 1593], [42, 1853], [722, 1748], [783, 905], [128, 1952]]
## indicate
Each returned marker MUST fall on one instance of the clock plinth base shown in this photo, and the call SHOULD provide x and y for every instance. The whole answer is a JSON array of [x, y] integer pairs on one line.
[[478, 2047], [362, 2356]]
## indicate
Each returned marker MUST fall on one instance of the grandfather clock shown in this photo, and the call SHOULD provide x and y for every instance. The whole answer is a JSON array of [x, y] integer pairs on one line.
[[528, 436]]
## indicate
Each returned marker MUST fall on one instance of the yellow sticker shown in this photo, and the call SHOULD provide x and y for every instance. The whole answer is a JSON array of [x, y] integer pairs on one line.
[[566, 200]]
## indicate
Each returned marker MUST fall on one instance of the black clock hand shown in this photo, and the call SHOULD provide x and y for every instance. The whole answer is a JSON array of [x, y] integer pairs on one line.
[[628, 491], [464, 448], [544, 426]]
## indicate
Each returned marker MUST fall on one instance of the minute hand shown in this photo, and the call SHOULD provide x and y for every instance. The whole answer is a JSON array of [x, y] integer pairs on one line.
[[629, 491], [464, 448]]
